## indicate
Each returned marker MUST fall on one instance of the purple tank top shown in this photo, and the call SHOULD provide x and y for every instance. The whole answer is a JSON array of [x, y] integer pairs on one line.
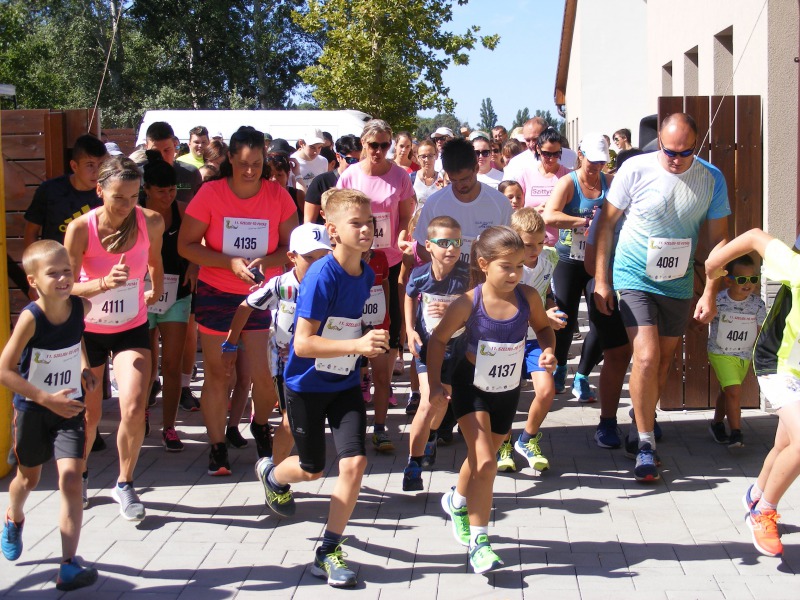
[[481, 326]]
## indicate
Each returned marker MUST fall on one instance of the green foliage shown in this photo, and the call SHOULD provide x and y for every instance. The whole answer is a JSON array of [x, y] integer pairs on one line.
[[552, 121], [385, 57], [522, 116], [425, 126], [488, 116]]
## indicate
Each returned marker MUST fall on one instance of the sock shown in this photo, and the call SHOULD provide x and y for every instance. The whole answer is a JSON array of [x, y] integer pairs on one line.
[[330, 541], [648, 437], [122, 484], [416, 459], [458, 501], [579, 376], [474, 532], [273, 483], [765, 505], [432, 435], [756, 492], [186, 380], [378, 428], [524, 437]]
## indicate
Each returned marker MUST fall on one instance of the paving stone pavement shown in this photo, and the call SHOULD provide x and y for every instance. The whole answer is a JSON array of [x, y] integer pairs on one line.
[[584, 529]]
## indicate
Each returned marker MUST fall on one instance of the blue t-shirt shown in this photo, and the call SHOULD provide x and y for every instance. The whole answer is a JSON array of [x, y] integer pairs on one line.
[[327, 291], [423, 286], [659, 206], [578, 206]]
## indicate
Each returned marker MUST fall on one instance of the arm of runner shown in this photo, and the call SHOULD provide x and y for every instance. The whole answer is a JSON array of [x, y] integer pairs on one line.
[[553, 214], [308, 344], [707, 304], [454, 319], [603, 293], [155, 266]]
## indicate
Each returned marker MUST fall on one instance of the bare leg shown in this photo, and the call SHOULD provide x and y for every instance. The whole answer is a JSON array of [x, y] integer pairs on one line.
[[25, 481], [612, 377], [214, 398], [733, 410], [345, 492], [382, 379], [426, 419], [69, 484], [476, 478], [173, 336], [132, 370], [786, 465], [545, 388]]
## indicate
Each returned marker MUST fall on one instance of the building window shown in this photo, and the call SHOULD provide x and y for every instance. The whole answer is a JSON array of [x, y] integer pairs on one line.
[[691, 80], [723, 62], [666, 79]]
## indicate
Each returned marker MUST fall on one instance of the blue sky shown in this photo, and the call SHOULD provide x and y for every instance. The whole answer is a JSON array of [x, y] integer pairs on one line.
[[520, 72]]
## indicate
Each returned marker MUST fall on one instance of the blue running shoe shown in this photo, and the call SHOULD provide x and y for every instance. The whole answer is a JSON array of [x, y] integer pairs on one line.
[[73, 576], [560, 377], [11, 540], [429, 459], [748, 500], [412, 477], [646, 468], [608, 433], [582, 390]]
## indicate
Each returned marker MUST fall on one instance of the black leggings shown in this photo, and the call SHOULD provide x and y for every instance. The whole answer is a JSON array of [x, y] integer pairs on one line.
[[395, 312], [569, 279]]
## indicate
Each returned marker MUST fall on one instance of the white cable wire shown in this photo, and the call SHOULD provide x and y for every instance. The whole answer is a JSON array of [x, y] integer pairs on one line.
[[105, 69]]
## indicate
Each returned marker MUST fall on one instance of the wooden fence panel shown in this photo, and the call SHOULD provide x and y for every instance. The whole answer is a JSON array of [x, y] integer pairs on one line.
[[124, 138], [698, 106], [22, 121]]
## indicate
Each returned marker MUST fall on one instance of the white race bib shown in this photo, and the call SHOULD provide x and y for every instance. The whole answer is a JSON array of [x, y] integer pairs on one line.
[[736, 333], [578, 249], [667, 258], [54, 370], [466, 248], [168, 298], [498, 366], [383, 231], [339, 328], [375, 306], [116, 306], [248, 238], [284, 323], [429, 321]]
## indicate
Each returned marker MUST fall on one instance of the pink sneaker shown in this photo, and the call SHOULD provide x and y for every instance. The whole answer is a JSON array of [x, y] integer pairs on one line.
[[392, 399]]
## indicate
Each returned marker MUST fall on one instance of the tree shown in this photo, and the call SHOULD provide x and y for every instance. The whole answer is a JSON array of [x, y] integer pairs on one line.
[[385, 57], [425, 127], [488, 116], [522, 116], [552, 121]]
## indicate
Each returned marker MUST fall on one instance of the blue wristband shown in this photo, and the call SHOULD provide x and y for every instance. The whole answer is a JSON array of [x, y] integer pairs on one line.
[[228, 347]]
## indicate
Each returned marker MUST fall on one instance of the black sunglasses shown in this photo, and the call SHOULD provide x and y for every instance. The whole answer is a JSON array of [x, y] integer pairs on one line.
[[546, 154], [674, 153], [483, 153], [742, 279], [382, 145], [350, 160]]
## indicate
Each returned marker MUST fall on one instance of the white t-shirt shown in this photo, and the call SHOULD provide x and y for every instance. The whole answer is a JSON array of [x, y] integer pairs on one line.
[[308, 169], [733, 330], [492, 178], [423, 191], [489, 208]]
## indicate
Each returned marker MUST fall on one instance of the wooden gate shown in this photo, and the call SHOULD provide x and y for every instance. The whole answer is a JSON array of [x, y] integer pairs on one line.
[[734, 147], [38, 143]]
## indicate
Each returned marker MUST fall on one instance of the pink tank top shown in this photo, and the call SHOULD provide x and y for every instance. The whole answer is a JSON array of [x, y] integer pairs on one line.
[[123, 308]]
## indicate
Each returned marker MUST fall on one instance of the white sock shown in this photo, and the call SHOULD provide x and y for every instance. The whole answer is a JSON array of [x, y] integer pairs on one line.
[[474, 532], [458, 501], [648, 437], [186, 380]]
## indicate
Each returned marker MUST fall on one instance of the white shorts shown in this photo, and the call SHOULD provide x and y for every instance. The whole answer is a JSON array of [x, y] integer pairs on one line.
[[780, 389]]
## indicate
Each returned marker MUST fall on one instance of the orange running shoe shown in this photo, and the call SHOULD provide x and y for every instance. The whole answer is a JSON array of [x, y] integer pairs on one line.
[[764, 526]]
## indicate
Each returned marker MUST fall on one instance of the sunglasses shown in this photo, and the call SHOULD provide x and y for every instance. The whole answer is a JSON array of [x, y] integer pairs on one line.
[[379, 145], [483, 153], [617, 139], [672, 153], [546, 154], [350, 160], [742, 279], [446, 242]]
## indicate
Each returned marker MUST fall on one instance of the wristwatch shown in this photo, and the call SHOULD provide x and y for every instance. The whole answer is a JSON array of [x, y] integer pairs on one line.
[[228, 347]]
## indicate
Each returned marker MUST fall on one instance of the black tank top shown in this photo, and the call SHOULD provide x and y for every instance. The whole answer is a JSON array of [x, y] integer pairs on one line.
[[174, 263]]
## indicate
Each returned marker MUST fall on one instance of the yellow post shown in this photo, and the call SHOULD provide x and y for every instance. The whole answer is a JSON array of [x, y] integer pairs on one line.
[[6, 408]]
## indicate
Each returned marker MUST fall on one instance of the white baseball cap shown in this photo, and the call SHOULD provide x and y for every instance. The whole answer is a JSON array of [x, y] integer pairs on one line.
[[315, 138], [113, 149], [309, 237], [594, 147], [442, 132]]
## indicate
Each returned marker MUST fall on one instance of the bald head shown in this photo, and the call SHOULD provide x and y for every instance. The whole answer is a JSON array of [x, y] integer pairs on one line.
[[679, 120], [531, 131]]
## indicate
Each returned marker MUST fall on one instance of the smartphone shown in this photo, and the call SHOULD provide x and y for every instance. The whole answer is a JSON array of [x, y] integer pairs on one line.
[[257, 274]]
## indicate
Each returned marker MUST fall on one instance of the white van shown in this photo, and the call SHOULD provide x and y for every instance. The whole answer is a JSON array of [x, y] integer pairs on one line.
[[290, 125]]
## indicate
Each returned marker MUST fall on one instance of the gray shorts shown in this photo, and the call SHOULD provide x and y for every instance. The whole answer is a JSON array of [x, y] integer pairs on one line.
[[640, 309]]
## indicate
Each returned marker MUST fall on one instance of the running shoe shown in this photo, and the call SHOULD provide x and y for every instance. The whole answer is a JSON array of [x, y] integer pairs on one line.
[[582, 390], [505, 458], [333, 568], [646, 468], [532, 453], [99, 443], [399, 366], [233, 437], [736, 439], [429, 458], [73, 576], [172, 443], [366, 381], [155, 390], [188, 401], [262, 434], [717, 431], [412, 477], [194, 372], [459, 517], [381, 442], [413, 403], [11, 540], [280, 502], [85, 490], [218, 464], [764, 525], [608, 434], [560, 377], [392, 398], [482, 557], [748, 500], [130, 508]]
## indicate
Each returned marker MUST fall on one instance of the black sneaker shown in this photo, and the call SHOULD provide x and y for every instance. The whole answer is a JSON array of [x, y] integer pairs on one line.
[[99, 443], [412, 477], [413, 403], [172, 443], [631, 446], [234, 438], [155, 390], [736, 440], [188, 400], [194, 372], [218, 464], [262, 434], [717, 431], [333, 568]]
